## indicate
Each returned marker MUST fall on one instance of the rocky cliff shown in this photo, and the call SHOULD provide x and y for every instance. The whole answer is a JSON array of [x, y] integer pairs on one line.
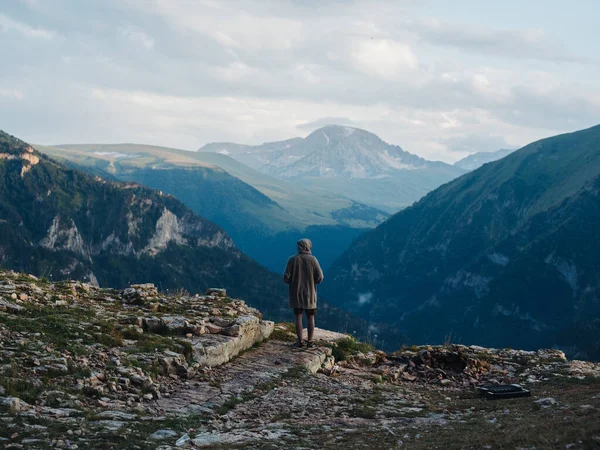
[[89, 368]]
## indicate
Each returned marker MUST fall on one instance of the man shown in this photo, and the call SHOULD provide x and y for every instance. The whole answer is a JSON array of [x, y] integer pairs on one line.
[[303, 273]]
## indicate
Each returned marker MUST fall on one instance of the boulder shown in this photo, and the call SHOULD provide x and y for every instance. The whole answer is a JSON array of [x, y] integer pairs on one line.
[[14, 404], [216, 292]]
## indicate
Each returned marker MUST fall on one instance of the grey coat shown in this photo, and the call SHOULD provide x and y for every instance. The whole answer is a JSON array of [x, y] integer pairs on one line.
[[303, 273]]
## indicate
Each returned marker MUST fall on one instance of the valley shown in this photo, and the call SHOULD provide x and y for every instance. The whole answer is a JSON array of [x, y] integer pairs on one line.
[[263, 215]]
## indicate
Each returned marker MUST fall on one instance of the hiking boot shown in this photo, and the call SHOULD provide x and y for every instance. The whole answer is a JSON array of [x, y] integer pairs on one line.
[[310, 344], [297, 345]]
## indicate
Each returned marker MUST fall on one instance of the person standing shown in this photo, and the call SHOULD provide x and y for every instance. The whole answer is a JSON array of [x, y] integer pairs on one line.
[[303, 273]]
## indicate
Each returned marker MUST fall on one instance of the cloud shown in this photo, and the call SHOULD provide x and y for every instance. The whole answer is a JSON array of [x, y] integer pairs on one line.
[[7, 25], [384, 58], [184, 72], [230, 25], [511, 43], [139, 37], [11, 94], [365, 298], [323, 121]]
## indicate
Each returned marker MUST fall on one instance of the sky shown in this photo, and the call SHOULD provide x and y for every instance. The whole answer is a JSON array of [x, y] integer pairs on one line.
[[440, 78]]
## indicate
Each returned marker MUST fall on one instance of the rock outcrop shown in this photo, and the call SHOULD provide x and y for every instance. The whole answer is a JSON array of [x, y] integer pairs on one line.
[[89, 368]]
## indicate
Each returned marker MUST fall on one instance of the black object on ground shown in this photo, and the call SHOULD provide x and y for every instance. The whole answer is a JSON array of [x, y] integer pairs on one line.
[[504, 391]]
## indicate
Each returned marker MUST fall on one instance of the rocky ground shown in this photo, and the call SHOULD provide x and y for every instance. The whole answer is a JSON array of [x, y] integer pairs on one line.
[[89, 368]]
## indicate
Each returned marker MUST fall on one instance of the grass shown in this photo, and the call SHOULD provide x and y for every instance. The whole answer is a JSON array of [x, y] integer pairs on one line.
[[59, 327], [295, 373], [229, 405], [349, 347], [284, 331], [153, 343]]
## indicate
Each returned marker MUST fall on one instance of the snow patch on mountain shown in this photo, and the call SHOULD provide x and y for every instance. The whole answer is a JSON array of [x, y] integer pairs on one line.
[[116, 155]]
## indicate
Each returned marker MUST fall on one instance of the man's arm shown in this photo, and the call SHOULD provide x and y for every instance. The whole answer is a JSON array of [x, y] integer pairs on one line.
[[318, 274], [289, 269]]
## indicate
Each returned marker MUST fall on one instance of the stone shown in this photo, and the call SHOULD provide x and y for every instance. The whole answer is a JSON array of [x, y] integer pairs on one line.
[[10, 307], [212, 328], [408, 377], [220, 348], [216, 292], [116, 415], [130, 295], [221, 322], [153, 324], [176, 324], [111, 425], [14, 404], [547, 402], [163, 434]]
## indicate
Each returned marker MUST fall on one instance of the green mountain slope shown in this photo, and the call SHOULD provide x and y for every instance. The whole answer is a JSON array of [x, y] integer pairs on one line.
[[307, 206], [503, 256]]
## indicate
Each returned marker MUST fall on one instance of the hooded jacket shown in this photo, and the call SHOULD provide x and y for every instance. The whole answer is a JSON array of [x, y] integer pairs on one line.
[[303, 273]]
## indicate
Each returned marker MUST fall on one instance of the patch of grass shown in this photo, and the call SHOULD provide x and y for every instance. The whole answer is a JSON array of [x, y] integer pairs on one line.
[[20, 388], [284, 331], [364, 413], [348, 347], [288, 326], [109, 336], [150, 343], [59, 327], [229, 405], [295, 372], [131, 333], [283, 335]]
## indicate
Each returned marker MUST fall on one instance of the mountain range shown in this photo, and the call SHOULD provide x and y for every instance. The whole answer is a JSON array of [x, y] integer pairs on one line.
[[61, 223], [506, 255], [348, 161], [264, 216], [476, 160]]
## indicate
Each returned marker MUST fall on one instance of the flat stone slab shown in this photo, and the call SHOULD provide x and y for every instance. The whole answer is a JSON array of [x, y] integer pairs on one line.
[[269, 362], [325, 335], [215, 349]]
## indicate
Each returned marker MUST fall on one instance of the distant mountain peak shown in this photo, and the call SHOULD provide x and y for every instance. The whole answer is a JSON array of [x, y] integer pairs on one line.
[[348, 152], [341, 132], [477, 160]]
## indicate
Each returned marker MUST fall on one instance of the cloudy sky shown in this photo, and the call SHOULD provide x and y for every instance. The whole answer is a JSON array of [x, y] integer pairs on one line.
[[441, 79]]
